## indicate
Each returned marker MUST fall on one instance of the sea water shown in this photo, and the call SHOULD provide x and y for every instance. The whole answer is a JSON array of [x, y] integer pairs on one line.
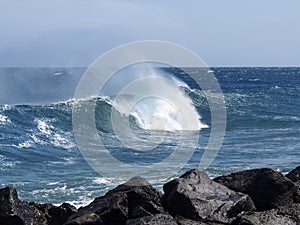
[[40, 157]]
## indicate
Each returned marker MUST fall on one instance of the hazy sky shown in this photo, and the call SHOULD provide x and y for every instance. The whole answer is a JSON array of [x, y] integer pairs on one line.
[[222, 32]]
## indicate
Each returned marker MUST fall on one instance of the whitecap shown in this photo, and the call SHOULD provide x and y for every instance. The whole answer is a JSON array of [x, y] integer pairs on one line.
[[4, 119], [43, 127], [25, 144], [103, 180], [6, 107], [60, 141], [55, 136]]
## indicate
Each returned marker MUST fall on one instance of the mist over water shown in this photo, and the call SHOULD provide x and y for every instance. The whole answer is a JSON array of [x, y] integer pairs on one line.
[[39, 86]]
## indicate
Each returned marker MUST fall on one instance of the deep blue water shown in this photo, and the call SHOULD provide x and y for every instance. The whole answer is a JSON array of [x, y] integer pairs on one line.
[[40, 157]]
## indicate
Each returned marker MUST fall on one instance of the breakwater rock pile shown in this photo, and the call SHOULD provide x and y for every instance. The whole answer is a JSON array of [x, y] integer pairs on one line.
[[251, 197]]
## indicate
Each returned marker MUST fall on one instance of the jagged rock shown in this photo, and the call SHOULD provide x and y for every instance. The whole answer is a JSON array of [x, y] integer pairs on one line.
[[192, 199], [131, 200], [293, 211], [143, 199], [158, 219], [195, 196], [16, 212], [284, 215], [297, 192], [110, 210], [183, 221], [267, 188], [294, 175], [55, 215]]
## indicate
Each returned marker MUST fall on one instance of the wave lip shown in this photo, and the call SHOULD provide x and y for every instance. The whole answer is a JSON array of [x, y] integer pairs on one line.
[[158, 104]]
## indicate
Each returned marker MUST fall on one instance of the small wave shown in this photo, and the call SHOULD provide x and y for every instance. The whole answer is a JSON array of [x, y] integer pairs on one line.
[[5, 164], [25, 144], [82, 202], [75, 101], [65, 161], [254, 79], [4, 119], [275, 87], [57, 73], [287, 118], [103, 180], [6, 107]]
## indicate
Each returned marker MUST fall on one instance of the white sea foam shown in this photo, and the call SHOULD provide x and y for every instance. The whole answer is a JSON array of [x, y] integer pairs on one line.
[[103, 180], [53, 183], [81, 202], [60, 141], [43, 127], [6, 107], [6, 165], [287, 118], [56, 137], [163, 116], [25, 144], [158, 104], [4, 119]]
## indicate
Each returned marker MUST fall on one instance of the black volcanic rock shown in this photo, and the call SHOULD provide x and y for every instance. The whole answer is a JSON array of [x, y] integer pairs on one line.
[[292, 211], [294, 175], [263, 218], [284, 215], [195, 196], [55, 215], [16, 212], [157, 219], [297, 193], [192, 199], [267, 188], [131, 200], [184, 221]]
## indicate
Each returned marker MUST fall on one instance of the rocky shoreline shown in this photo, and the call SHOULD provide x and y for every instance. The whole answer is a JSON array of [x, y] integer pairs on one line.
[[251, 197]]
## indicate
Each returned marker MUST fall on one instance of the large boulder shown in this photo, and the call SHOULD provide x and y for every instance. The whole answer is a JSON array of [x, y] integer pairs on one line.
[[157, 219], [131, 200], [55, 215], [267, 188], [16, 212], [195, 196], [294, 175], [108, 210], [297, 193], [263, 218], [284, 215], [184, 221], [293, 211]]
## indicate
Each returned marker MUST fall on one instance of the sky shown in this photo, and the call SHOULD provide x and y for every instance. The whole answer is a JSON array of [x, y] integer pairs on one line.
[[63, 33]]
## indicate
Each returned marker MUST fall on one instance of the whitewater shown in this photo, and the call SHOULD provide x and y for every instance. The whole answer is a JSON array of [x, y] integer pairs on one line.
[[40, 157]]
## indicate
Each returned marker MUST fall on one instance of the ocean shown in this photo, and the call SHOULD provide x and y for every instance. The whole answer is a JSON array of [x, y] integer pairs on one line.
[[41, 158]]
